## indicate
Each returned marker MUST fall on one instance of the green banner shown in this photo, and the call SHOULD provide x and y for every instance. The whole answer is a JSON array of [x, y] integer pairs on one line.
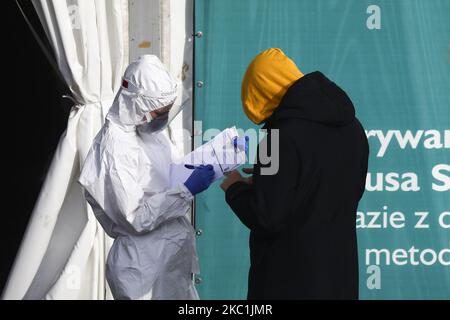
[[393, 60]]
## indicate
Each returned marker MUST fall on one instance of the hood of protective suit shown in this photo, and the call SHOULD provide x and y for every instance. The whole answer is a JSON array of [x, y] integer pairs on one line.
[[146, 86], [266, 81]]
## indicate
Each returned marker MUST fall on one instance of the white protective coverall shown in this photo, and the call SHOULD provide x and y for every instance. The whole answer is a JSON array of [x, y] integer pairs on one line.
[[126, 179]]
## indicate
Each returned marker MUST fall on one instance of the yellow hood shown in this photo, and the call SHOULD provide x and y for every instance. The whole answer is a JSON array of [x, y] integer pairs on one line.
[[265, 82]]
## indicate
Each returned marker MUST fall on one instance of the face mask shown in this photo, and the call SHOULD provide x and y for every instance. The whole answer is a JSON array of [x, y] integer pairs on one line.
[[159, 122], [155, 124]]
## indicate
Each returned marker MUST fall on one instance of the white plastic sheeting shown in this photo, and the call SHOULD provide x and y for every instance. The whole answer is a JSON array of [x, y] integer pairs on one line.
[[62, 254]]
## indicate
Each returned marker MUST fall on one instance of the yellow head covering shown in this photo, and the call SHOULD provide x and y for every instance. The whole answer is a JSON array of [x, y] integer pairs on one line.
[[266, 81]]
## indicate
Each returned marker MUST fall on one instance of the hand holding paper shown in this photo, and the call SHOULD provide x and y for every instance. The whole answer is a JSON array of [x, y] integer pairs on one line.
[[200, 179], [222, 152]]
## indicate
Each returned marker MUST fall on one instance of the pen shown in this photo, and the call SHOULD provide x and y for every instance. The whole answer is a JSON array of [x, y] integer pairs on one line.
[[190, 166]]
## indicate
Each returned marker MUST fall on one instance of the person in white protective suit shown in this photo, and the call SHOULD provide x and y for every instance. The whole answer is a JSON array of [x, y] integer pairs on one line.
[[126, 181]]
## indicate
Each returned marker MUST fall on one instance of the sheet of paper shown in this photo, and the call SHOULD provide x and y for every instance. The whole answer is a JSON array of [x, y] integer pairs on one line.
[[219, 152]]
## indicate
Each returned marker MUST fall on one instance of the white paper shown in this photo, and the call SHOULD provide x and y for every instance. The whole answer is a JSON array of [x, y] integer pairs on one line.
[[219, 152]]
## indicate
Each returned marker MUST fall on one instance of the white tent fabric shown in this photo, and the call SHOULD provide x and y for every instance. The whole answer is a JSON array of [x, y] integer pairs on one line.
[[63, 251]]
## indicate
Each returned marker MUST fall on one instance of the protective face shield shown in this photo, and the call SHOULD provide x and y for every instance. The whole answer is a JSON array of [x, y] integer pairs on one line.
[[159, 123]]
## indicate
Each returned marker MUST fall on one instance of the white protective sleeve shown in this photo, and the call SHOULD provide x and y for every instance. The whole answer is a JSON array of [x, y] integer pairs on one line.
[[142, 209]]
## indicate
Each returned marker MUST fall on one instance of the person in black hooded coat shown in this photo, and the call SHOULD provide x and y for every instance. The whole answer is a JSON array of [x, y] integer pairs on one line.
[[302, 219]]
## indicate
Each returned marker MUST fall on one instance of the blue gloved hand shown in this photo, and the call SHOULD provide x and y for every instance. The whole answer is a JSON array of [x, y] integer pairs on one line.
[[241, 143], [200, 179]]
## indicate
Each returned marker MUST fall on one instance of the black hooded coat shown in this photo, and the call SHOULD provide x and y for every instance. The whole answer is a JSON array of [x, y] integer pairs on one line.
[[303, 218]]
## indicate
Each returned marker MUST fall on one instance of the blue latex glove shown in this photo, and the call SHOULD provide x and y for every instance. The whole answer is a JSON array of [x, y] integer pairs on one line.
[[200, 179], [241, 143]]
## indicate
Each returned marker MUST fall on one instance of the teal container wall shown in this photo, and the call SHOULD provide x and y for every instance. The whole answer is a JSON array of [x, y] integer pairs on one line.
[[398, 78]]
